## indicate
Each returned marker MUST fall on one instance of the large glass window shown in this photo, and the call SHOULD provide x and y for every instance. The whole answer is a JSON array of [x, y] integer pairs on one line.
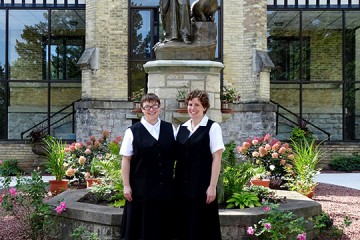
[[352, 75], [43, 75], [67, 43], [2, 76], [28, 32], [315, 77]]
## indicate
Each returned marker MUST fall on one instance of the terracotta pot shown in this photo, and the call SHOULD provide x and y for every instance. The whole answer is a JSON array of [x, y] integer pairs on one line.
[[92, 181], [137, 107], [57, 186], [226, 107], [311, 194], [260, 182]]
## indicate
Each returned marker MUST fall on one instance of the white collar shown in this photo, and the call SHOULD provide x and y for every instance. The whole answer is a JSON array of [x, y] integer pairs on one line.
[[149, 125], [203, 122]]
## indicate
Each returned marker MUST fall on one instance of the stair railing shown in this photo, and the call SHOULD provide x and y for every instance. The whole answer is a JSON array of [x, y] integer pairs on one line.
[[278, 106], [72, 105]]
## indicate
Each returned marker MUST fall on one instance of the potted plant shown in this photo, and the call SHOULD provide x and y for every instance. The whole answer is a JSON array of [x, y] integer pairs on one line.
[[181, 97], [55, 155], [92, 177], [275, 156], [136, 98], [260, 178], [301, 176], [37, 136], [227, 97]]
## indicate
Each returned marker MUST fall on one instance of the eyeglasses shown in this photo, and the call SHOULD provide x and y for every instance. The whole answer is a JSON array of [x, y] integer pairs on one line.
[[147, 107]]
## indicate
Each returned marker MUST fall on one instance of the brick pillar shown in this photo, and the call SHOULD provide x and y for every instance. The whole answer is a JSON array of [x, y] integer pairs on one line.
[[107, 30], [244, 32], [104, 103]]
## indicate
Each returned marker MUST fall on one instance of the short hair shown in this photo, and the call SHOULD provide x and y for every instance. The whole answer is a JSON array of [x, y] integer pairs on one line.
[[202, 96], [150, 97]]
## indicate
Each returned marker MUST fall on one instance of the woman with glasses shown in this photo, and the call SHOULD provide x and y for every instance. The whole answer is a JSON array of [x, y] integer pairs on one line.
[[199, 150], [147, 170]]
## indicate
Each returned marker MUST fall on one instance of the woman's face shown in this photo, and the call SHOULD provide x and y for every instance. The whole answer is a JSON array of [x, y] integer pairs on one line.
[[151, 111], [195, 108]]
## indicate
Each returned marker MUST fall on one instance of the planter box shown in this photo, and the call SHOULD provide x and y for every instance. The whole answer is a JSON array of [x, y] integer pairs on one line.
[[106, 221]]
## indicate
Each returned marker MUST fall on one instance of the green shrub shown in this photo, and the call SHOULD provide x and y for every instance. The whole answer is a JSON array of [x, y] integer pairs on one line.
[[9, 168], [243, 199], [298, 134], [345, 163]]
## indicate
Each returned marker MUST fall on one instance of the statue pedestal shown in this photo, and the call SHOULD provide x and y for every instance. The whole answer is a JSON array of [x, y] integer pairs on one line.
[[203, 45], [166, 76]]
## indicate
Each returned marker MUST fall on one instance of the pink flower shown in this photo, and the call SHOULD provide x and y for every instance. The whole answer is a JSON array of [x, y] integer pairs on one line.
[[283, 162], [267, 208], [106, 134], [255, 141], [87, 151], [63, 205], [275, 147], [82, 160], [301, 236], [267, 147], [285, 145], [246, 144], [78, 145], [255, 154], [267, 137], [267, 225], [274, 155], [59, 209], [250, 231], [262, 151], [0, 162], [92, 138], [282, 150], [1, 198], [70, 172], [12, 191]]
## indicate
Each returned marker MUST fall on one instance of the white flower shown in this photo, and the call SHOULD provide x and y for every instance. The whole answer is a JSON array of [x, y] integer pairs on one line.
[[272, 167]]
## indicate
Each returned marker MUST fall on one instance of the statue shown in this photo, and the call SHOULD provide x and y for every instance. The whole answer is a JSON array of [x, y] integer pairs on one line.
[[204, 10], [187, 36], [175, 16]]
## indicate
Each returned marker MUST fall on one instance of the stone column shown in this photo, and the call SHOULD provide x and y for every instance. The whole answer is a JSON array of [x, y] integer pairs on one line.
[[166, 76]]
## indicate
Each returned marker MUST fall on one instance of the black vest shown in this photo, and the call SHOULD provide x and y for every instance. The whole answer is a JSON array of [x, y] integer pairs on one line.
[[152, 165], [194, 161]]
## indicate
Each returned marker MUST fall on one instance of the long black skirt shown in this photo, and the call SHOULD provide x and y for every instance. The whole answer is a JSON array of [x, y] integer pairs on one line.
[[198, 220], [148, 221]]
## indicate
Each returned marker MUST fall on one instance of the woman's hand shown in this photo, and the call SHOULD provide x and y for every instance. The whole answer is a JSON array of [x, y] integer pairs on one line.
[[128, 193], [210, 194]]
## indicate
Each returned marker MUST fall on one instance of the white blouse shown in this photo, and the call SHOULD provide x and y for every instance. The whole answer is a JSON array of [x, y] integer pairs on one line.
[[127, 143], [216, 140]]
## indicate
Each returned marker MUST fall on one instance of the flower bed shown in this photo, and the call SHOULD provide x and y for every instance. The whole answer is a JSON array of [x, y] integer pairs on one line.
[[106, 221]]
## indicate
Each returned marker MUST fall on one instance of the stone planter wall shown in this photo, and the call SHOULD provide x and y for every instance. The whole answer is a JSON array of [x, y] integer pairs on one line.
[[106, 221]]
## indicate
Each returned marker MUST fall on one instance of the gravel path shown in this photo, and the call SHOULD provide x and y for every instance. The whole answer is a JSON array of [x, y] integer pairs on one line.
[[339, 202], [336, 201]]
